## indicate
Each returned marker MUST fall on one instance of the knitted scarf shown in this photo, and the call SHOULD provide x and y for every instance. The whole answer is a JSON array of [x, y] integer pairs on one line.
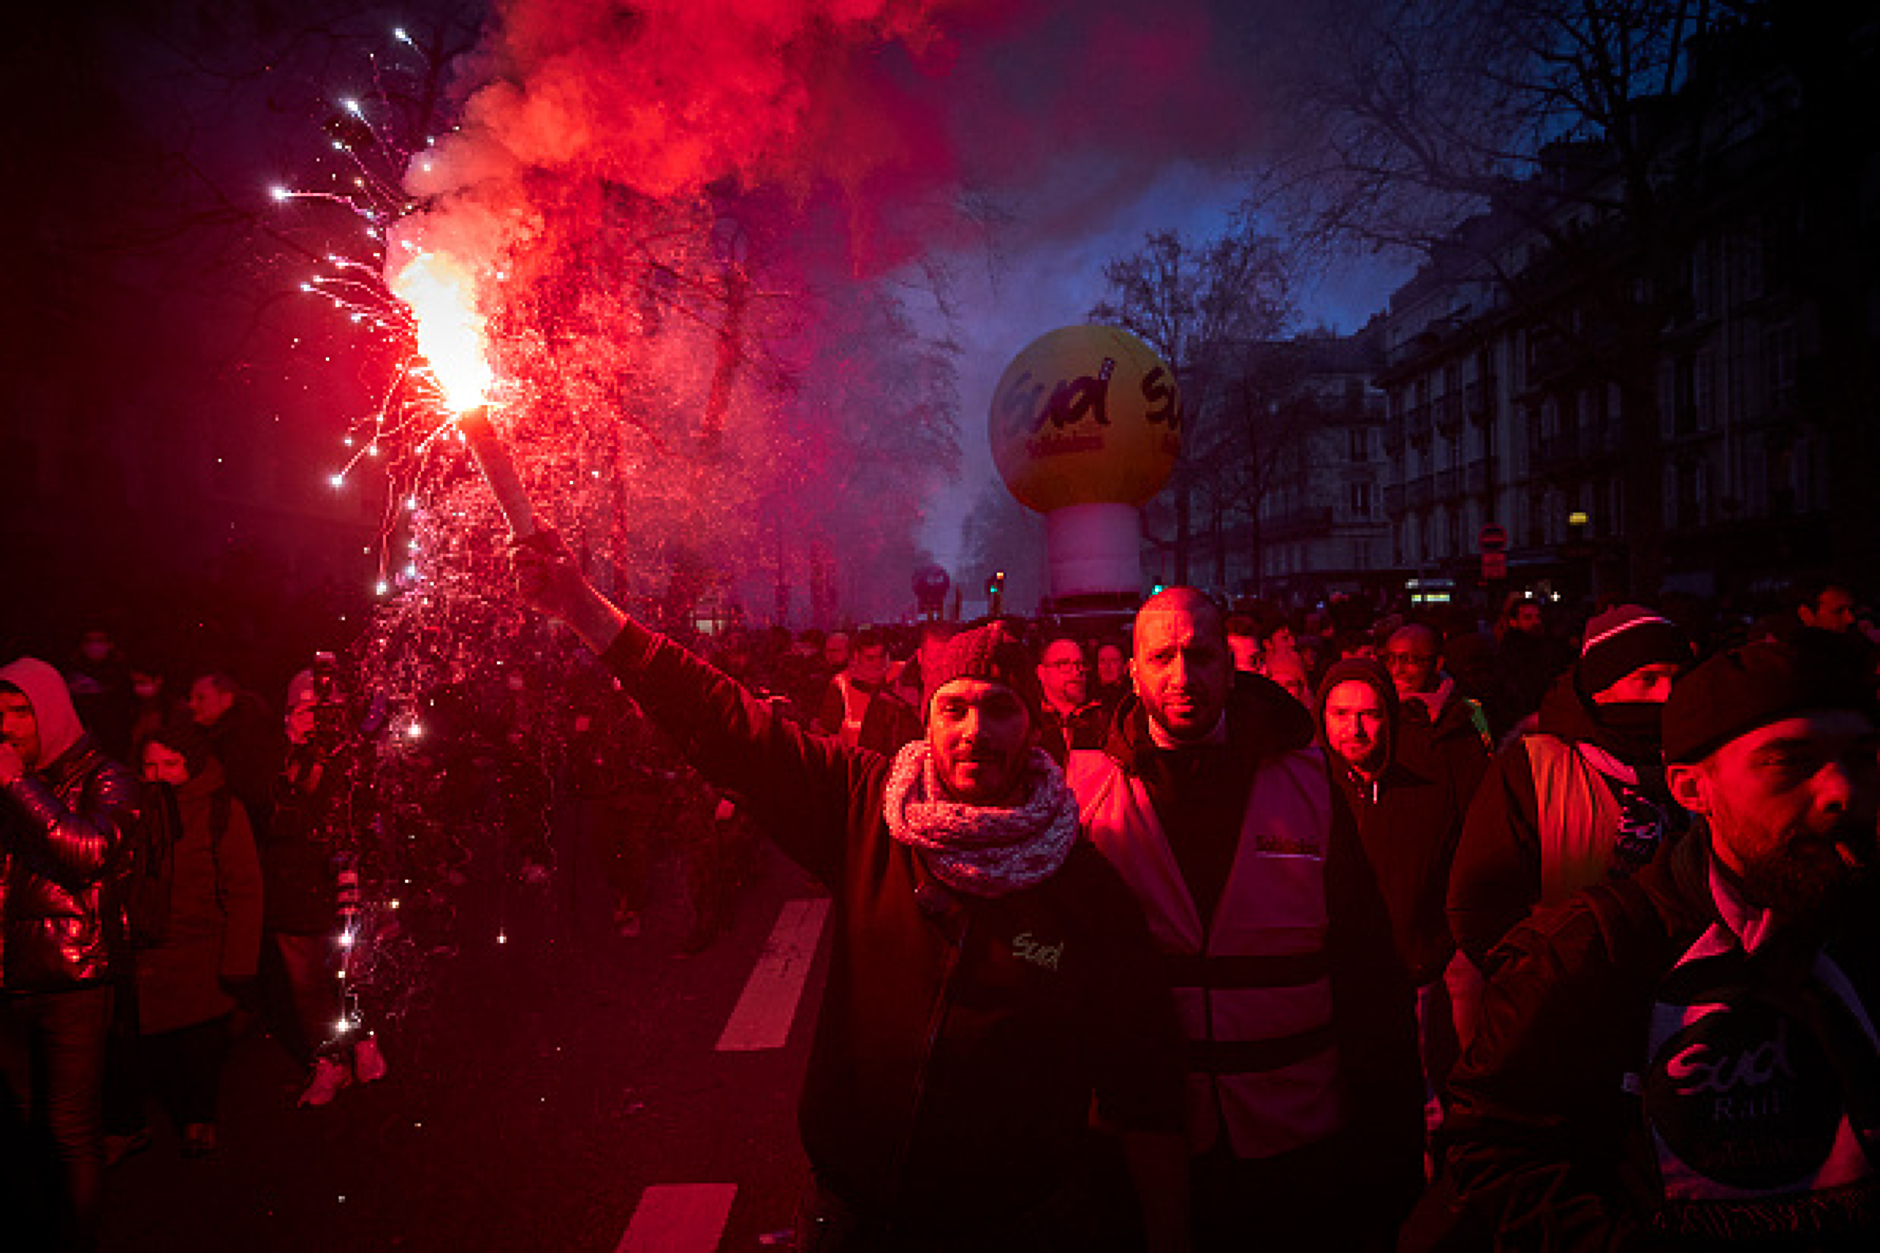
[[981, 850]]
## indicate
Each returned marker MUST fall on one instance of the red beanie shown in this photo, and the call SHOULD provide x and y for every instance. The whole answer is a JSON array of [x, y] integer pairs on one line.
[[987, 653]]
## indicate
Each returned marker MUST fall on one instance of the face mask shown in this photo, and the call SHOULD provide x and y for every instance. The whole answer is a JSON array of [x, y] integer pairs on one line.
[[1633, 729]]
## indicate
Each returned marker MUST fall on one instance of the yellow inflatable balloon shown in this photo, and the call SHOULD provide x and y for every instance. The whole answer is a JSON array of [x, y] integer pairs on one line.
[[1086, 415]]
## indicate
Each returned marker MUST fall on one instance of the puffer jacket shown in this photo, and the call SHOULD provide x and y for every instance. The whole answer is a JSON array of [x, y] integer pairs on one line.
[[62, 831]]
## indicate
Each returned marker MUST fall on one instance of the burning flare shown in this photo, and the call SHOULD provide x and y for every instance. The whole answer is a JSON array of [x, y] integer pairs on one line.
[[442, 295]]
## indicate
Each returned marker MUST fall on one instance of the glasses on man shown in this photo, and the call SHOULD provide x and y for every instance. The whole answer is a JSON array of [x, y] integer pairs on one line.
[[1397, 659], [1067, 663]]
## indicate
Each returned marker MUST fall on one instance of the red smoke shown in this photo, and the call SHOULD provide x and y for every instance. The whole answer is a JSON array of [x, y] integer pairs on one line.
[[679, 205]]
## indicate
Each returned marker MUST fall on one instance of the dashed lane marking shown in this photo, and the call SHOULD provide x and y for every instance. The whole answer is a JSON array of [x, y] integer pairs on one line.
[[767, 1007], [679, 1218]]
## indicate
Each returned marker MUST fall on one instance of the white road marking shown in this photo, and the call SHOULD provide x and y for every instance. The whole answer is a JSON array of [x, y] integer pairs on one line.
[[767, 1007], [679, 1218]]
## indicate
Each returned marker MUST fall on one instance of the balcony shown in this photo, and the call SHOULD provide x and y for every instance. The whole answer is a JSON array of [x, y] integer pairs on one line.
[[1478, 478], [1448, 414], [1478, 401], [1558, 451], [1393, 437], [1300, 523]]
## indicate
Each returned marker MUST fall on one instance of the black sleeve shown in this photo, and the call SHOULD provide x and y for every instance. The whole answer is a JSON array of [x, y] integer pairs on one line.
[[1495, 880], [1137, 1042], [73, 847], [800, 788], [1374, 1006], [1539, 1118]]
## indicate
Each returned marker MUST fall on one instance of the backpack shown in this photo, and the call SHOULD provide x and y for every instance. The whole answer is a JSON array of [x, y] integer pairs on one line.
[[149, 876]]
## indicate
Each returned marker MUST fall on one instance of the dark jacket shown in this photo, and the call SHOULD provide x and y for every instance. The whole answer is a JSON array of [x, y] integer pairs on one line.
[[1551, 1133], [249, 743], [960, 1039], [1409, 820], [1087, 726], [1462, 743], [62, 831], [1497, 875], [213, 935], [297, 873]]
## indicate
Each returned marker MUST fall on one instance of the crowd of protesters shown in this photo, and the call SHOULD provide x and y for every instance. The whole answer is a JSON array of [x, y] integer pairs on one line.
[[1223, 927]]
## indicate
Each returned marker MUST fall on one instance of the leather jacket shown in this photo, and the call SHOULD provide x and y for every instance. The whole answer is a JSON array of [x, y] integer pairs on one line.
[[62, 832]]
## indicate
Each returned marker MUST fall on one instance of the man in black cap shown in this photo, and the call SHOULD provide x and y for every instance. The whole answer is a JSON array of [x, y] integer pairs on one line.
[[1582, 798], [1687, 1059], [991, 973]]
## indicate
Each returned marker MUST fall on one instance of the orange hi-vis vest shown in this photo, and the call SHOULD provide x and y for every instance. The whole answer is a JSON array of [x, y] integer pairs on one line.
[[854, 708], [1253, 990]]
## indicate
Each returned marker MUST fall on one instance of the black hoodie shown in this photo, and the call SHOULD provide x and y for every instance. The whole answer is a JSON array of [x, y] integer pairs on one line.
[[1409, 821]]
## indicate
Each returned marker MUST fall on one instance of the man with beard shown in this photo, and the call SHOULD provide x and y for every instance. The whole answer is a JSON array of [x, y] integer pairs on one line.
[[1409, 815], [1687, 1059], [1582, 798], [1304, 1099], [992, 985]]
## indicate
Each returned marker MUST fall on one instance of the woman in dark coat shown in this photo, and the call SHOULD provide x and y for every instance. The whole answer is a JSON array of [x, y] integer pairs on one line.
[[186, 983]]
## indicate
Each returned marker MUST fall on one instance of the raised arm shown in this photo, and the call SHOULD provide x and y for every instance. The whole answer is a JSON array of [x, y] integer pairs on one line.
[[799, 787]]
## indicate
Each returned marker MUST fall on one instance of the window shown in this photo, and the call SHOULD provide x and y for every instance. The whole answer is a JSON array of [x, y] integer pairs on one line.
[[1361, 500], [1359, 444]]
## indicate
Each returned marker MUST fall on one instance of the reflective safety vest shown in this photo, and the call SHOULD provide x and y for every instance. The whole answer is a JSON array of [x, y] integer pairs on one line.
[[854, 709], [1253, 990], [1576, 815]]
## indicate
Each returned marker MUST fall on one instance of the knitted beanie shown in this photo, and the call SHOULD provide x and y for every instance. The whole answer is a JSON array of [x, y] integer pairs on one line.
[[989, 654], [1752, 686], [1625, 639]]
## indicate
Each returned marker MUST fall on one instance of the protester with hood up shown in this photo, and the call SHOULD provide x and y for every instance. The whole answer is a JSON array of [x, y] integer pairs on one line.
[[1582, 798], [66, 811], [991, 982], [1409, 816], [1304, 1122]]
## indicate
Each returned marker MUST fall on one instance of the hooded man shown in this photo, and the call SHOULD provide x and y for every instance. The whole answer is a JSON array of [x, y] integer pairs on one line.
[[1409, 818], [1582, 798], [1210, 796], [1687, 1059], [990, 974], [66, 811]]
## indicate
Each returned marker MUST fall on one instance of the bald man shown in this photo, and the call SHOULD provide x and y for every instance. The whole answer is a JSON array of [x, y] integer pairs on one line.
[[1304, 1120]]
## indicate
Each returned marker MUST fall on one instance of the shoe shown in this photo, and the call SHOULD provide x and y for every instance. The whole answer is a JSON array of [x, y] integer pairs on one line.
[[368, 1062], [198, 1139], [626, 923], [328, 1078], [117, 1148]]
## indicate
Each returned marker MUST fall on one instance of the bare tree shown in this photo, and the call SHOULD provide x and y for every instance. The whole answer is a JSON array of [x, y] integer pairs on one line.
[[1201, 305], [1585, 124]]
